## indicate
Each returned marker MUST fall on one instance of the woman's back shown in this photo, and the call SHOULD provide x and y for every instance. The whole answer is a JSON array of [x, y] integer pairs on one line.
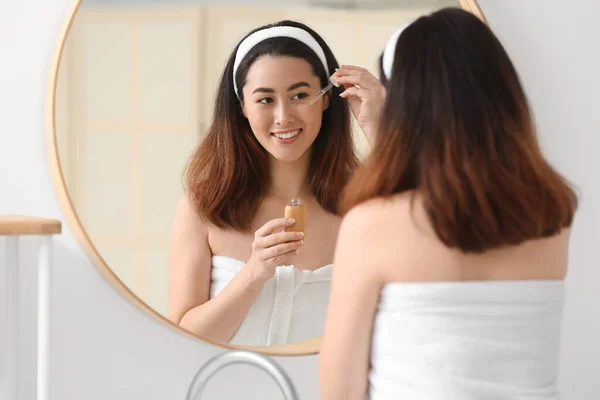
[[402, 223], [459, 325]]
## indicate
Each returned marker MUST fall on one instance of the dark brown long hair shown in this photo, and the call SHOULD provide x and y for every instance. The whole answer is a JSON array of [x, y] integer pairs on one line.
[[228, 174], [457, 129]]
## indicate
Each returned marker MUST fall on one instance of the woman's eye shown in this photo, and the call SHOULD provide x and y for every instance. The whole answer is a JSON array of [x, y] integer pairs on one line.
[[300, 96], [266, 100]]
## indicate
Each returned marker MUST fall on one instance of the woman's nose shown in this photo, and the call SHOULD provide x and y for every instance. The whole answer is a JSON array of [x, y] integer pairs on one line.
[[283, 114]]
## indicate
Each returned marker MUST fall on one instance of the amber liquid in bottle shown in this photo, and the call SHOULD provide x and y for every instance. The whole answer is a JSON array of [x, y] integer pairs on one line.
[[296, 211]]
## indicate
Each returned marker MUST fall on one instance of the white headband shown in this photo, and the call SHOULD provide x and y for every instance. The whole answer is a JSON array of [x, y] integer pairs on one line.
[[276, 31], [389, 53]]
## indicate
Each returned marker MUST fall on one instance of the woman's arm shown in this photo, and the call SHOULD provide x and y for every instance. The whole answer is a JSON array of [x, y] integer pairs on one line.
[[190, 264], [345, 349]]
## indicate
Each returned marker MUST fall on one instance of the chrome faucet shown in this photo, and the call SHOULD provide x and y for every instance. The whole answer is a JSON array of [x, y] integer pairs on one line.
[[222, 360]]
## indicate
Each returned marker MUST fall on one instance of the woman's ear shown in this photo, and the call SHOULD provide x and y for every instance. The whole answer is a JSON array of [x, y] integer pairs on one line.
[[243, 106]]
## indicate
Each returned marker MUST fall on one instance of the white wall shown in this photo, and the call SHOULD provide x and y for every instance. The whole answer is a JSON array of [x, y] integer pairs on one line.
[[555, 47], [104, 348]]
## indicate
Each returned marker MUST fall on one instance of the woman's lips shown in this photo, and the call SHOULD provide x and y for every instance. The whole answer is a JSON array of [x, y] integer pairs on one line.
[[287, 136]]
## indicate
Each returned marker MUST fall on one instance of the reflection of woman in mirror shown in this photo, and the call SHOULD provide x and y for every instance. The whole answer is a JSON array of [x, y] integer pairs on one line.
[[449, 268], [234, 275]]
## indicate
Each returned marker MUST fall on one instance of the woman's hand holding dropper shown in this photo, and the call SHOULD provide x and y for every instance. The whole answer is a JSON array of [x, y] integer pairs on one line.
[[366, 96]]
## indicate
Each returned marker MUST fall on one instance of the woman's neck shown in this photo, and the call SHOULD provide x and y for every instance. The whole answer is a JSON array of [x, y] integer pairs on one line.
[[289, 179]]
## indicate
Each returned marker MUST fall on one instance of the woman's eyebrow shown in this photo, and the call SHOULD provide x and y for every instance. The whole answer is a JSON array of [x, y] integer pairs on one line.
[[269, 90], [263, 89], [297, 85]]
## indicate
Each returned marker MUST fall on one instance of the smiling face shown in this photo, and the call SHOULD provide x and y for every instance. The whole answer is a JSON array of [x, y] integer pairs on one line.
[[276, 96]]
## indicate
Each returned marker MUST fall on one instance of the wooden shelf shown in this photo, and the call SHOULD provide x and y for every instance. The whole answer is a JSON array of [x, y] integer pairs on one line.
[[25, 225], [311, 346]]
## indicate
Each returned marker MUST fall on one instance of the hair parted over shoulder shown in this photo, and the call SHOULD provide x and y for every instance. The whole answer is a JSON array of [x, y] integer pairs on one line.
[[227, 176], [457, 130]]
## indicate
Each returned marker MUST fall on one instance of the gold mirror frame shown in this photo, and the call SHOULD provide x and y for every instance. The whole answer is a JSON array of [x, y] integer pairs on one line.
[[308, 347]]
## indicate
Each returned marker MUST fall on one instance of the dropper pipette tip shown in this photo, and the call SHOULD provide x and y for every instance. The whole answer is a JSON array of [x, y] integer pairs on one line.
[[331, 84]]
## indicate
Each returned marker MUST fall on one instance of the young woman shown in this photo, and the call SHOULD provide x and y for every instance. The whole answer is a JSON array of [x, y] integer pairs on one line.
[[235, 276], [449, 267]]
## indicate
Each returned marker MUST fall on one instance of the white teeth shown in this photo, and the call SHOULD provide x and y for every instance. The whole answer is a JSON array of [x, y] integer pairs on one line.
[[288, 135]]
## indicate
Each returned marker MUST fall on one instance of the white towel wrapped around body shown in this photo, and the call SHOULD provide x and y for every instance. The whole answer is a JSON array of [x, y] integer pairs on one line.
[[290, 308], [492, 340]]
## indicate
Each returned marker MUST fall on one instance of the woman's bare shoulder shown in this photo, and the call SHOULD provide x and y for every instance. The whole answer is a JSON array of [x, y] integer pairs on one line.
[[382, 216], [187, 220], [378, 226], [390, 236]]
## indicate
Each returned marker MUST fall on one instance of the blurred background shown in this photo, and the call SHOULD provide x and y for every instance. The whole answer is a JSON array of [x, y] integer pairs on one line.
[[135, 95]]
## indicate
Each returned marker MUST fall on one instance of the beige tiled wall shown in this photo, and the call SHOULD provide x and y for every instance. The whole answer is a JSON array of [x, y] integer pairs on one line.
[[135, 92]]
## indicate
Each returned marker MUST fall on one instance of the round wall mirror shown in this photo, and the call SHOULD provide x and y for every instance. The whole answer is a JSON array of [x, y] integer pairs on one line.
[[133, 92]]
